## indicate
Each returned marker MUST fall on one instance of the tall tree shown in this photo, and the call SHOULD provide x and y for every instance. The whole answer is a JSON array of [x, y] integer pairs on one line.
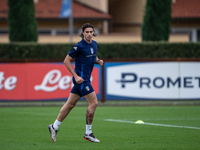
[[22, 22], [157, 18]]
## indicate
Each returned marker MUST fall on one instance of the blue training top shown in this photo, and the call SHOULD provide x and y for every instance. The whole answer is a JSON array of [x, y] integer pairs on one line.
[[85, 56]]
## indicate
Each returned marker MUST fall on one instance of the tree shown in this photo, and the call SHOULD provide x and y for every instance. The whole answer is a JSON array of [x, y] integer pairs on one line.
[[22, 22], [156, 24]]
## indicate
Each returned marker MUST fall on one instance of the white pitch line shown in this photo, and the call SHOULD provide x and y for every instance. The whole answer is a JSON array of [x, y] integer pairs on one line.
[[153, 124]]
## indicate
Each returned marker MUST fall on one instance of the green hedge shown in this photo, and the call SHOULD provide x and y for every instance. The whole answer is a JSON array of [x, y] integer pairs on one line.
[[157, 19], [109, 51], [22, 22], [34, 51]]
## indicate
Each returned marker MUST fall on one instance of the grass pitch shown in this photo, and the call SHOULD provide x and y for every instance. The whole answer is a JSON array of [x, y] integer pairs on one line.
[[26, 128]]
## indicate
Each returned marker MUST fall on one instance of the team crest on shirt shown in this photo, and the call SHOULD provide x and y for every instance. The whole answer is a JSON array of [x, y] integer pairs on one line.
[[92, 51], [87, 88]]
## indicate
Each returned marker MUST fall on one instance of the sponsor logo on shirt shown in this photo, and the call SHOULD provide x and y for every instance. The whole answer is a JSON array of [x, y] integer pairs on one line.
[[91, 55], [75, 48]]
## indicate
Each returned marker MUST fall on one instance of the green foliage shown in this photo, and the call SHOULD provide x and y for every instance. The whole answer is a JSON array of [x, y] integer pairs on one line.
[[22, 22], [109, 51], [34, 51], [156, 24]]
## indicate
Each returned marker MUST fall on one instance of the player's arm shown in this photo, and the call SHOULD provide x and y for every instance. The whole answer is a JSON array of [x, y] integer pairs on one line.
[[99, 61], [67, 62]]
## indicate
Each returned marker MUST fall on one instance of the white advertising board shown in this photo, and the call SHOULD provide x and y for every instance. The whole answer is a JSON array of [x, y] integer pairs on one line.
[[152, 80]]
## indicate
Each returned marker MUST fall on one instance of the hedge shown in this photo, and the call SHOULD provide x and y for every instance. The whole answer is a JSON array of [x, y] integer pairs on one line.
[[157, 19], [22, 22], [106, 51]]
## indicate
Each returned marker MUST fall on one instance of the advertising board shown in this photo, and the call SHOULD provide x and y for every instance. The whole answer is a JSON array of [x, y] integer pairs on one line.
[[152, 80], [40, 81]]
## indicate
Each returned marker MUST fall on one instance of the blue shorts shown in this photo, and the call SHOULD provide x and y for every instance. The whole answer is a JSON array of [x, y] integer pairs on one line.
[[82, 89]]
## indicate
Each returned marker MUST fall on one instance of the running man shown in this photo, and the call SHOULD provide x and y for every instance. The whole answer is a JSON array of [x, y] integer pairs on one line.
[[85, 55]]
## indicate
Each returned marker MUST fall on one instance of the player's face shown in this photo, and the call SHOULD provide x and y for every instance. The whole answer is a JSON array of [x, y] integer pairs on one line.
[[88, 34]]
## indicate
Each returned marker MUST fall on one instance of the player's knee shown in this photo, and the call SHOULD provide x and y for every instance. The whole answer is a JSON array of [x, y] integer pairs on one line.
[[94, 104], [70, 105]]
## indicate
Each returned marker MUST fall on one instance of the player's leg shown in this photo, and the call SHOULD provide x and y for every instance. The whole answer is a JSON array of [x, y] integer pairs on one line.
[[67, 107], [64, 111], [92, 104]]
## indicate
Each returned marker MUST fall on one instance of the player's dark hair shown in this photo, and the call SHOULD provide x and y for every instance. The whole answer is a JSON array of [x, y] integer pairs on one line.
[[87, 25]]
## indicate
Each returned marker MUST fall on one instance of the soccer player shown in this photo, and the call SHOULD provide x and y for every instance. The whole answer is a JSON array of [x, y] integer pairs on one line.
[[85, 55]]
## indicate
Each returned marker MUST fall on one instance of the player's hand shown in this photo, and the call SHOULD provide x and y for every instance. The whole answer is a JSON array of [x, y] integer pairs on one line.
[[100, 62], [79, 80]]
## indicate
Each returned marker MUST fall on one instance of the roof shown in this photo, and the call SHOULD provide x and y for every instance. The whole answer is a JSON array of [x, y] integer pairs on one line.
[[186, 9], [3, 8], [50, 9]]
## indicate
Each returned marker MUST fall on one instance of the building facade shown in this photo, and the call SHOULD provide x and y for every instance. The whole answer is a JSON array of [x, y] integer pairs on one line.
[[109, 16]]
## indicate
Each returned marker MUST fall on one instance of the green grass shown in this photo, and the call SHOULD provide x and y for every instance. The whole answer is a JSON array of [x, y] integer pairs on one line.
[[26, 128]]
